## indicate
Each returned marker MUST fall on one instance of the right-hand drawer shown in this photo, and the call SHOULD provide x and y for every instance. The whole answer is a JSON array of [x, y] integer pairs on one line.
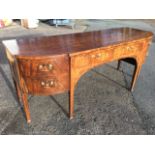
[[129, 49]]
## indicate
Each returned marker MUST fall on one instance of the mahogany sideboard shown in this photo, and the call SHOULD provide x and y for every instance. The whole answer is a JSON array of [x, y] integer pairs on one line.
[[54, 64]]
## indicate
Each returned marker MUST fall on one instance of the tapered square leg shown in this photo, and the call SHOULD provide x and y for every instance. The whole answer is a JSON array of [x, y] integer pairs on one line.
[[71, 104], [135, 76], [26, 107], [17, 91], [119, 64]]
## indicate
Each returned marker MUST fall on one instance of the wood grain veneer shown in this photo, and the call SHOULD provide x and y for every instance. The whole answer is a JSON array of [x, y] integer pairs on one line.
[[54, 64]]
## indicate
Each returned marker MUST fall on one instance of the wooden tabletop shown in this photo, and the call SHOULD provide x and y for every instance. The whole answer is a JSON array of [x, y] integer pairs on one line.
[[62, 44]]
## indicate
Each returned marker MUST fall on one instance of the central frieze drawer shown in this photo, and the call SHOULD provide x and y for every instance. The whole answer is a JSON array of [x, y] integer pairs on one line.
[[100, 56], [91, 58]]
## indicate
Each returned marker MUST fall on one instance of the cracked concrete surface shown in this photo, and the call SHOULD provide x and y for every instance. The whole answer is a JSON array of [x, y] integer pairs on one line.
[[103, 104]]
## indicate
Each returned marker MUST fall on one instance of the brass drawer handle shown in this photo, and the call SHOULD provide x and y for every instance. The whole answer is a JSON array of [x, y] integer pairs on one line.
[[50, 83], [50, 66], [45, 66], [43, 83], [40, 67], [93, 56], [129, 48], [96, 56]]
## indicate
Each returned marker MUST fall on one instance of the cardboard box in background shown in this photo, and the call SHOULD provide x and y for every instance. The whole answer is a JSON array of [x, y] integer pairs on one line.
[[30, 23]]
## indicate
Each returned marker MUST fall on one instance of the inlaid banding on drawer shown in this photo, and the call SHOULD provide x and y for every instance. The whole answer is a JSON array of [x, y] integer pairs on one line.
[[128, 49]]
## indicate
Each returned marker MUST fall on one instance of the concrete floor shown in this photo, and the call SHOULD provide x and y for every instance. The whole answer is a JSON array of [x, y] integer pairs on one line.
[[103, 104]]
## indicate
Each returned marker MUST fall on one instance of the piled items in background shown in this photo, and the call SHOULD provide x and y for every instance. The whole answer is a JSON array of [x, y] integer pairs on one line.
[[5, 22], [29, 23], [58, 22]]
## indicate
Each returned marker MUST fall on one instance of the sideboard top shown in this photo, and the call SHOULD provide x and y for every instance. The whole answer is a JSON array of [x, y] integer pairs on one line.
[[69, 43]]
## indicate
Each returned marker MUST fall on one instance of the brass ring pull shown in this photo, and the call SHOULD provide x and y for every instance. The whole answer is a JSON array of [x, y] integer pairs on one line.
[[98, 55], [43, 83], [45, 67], [129, 48], [40, 67], [93, 56], [50, 66], [47, 83], [51, 83]]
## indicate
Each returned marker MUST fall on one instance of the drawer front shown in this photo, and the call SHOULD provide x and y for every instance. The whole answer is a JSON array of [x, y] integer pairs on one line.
[[100, 56], [44, 66], [115, 53], [53, 66], [82, 60], [91, 59], [46, 75], [48, 85], [127, 50]]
